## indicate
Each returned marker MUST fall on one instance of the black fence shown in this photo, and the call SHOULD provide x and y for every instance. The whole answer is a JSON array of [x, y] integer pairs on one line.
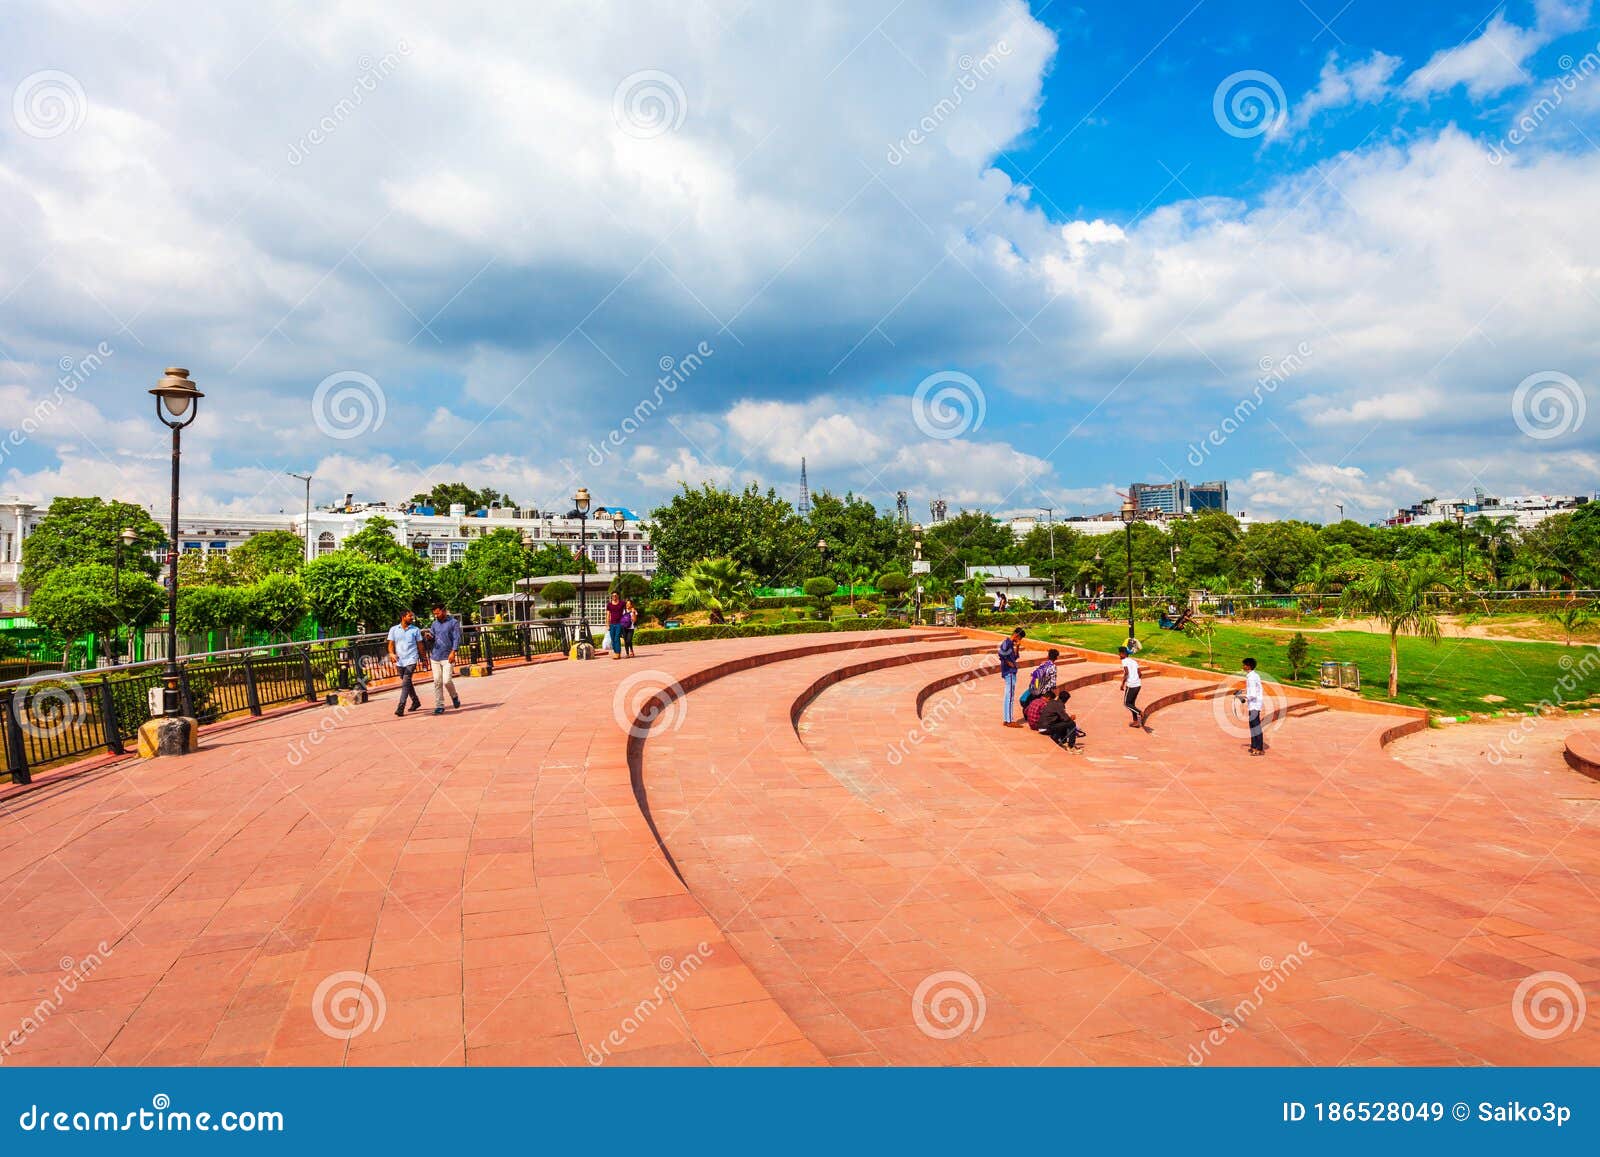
[[50, 717]]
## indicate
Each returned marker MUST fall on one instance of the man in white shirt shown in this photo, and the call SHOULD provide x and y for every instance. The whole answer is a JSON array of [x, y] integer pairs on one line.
[[1131, 683], [1254, 700]]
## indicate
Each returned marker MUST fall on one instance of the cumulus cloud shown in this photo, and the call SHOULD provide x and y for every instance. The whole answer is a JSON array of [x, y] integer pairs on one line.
[[1493, 60], [1359, 82]]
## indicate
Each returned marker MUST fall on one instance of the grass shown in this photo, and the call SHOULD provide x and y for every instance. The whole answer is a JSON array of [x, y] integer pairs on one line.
[[1456, 677]]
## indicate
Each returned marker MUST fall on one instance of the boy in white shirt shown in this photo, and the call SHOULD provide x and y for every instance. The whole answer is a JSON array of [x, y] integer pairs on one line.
[[1254, 700], [1130, 686]]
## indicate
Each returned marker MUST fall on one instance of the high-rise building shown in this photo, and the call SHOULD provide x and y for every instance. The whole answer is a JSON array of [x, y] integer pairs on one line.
[[1164, 497], [1178, 497]]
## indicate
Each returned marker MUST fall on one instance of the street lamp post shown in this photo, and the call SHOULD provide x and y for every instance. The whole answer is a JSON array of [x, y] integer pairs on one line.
[[916, 557], [305, 524], [127, 537], [618, 520], [527, 544], [1461, 527], [1050, 520], [581, 501], [1127, 514], [177, 404]]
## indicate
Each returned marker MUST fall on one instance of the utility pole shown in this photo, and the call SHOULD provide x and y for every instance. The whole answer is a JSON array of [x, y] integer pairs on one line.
[[1050, 520]]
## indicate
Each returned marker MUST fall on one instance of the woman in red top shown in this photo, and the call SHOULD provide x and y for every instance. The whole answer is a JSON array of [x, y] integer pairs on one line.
[[614, 624]]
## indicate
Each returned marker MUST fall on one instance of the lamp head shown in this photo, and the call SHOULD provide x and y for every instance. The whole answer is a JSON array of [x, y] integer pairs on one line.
[[581, 500], [618, 519], [129, 536], [1129, 510], [175, 392]]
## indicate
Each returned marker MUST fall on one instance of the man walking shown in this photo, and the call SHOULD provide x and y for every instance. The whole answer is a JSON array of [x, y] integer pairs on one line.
[[1254, 700], [446, 639], [404, 640], [1131, 683], [1008, 672]]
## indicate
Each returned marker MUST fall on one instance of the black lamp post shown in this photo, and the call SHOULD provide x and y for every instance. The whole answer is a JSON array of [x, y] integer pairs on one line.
[[305, 524], [527, 544], [1128, 513], [177, 403], [1461, 526], [127, 537], [618, 520], [581, 500]]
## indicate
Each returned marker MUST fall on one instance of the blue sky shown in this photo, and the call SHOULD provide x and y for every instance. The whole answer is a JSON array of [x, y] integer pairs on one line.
[[1012, 256]]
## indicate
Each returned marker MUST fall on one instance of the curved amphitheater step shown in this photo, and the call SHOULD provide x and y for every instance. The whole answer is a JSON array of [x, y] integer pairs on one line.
[[1115, 905]]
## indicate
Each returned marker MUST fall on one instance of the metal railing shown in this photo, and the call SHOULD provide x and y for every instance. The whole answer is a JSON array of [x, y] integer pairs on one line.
[[51, 717]]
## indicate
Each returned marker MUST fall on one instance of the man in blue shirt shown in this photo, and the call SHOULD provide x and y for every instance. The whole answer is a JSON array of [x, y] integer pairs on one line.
[[446, 634], [1009, 653], [404, 639]]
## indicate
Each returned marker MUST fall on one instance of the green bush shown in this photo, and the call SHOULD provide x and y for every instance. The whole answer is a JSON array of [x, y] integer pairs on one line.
[[760, 630]]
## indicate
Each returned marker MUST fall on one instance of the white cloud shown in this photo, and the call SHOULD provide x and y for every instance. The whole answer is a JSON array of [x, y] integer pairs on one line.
[[1494, 60], [1360, 82]]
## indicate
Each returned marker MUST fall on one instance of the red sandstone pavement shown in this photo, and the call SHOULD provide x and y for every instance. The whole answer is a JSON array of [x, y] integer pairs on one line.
[[491, 875]]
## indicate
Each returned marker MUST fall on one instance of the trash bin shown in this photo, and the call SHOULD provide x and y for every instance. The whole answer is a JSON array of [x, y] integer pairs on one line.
[[1350, 676], [1330, 673]]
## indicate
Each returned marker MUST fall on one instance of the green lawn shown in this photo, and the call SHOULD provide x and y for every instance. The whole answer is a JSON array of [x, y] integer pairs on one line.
[[1455, 677]]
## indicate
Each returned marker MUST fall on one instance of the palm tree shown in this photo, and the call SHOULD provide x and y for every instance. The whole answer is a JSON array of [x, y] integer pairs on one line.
[[1397, 595], [719, 585], [1495, 532], [857, 574], [1530, 572], [1571, 618]]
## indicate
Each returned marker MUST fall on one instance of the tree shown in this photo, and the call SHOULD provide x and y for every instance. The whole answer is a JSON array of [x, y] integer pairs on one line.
[[272, 552], [971, 538], [377, 542], [718, 585], [78, 531], [347, 590], [1203, 628], [75, 600], [821, 589], [553, 558], [632, 586], [497, 561], [445, 494], [1397, 594], [210, 608], [1571, 618], [760, 532], [558, 595], [1298, 654], [858, 536], [895, 586], [456, 587], [1274, 553], [275, 604]]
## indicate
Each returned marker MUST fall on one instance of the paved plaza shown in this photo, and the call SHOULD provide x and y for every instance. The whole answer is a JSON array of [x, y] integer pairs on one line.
[[822, 850]]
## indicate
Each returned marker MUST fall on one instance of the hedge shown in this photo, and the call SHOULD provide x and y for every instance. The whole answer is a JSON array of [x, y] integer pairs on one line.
[[645, 638]]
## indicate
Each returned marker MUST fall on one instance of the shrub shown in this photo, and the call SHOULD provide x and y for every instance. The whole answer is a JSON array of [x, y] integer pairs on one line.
[[1297, 655]]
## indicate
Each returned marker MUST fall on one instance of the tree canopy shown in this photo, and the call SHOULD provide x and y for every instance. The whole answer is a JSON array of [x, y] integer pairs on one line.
[[444, 494], [77, 531]]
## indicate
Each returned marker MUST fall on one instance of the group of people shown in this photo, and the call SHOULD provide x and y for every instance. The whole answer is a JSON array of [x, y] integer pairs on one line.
[[1044, 702], [443, 640], [621, 619]]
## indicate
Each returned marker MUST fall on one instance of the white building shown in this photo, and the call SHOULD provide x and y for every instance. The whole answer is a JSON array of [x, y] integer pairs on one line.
[[441, 536], [1527, 509]]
